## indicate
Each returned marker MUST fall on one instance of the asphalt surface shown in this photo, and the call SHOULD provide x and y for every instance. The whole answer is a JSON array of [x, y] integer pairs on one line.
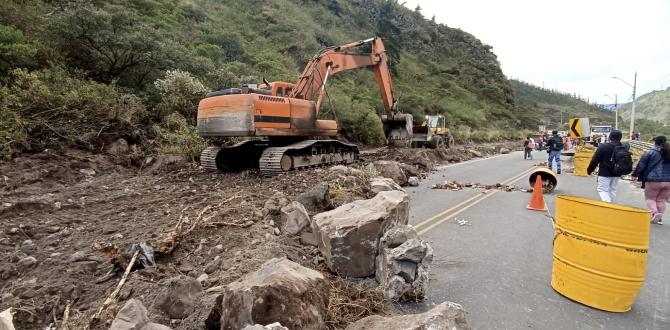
[[494, 257]]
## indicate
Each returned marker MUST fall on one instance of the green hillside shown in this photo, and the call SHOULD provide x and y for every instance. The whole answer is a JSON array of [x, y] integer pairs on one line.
[[652, 106], [546, 106], [86, 72], [652, 113]]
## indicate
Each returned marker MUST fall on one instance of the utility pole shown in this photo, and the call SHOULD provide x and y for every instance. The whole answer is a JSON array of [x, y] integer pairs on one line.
[[632, 111]]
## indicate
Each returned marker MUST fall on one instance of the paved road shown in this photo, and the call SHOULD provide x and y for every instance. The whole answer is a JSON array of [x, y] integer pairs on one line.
[[494, 257]]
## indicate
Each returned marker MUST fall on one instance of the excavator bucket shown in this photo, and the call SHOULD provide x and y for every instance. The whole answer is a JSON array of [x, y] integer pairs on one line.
[[398, 126]]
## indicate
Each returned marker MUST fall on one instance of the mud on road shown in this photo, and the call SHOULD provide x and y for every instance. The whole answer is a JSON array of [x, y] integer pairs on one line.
[[59, 208]]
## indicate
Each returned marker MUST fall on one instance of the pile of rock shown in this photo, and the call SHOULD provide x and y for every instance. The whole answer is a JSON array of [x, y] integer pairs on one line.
[[402, 264], [371, 237], [348, 236]]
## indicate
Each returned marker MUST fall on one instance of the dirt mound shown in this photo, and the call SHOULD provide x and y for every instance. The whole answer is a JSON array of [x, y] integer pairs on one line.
[[60, 209]]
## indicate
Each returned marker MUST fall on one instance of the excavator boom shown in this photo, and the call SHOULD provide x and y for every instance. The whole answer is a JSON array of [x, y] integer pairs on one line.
[[333, 60]]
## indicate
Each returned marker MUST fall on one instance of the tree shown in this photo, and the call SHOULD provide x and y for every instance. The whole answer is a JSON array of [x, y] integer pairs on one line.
[[108, 44]]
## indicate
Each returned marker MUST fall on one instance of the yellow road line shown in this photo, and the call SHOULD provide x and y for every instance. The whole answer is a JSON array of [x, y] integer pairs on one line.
[[441, 214], [461, 207]]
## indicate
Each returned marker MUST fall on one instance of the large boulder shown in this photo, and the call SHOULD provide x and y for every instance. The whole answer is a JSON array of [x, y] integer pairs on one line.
[[179, 296], [134, 316], [294, 218], [280, 291], [379, 183], [445, 316], [403, 264], [348, 236], [390, 169], [316, 199]]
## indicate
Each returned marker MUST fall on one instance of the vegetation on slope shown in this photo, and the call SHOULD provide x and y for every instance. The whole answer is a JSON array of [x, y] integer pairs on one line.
[[547, 107], [652, 114], [83, 72]]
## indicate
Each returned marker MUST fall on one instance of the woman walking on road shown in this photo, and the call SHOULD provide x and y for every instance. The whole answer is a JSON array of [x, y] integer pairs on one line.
[[653, 170], [528, 146]]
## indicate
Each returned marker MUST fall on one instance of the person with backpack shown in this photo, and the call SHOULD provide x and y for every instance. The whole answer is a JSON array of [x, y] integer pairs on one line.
[[613, 160], [554, 148], [528, 146], [653, 170]]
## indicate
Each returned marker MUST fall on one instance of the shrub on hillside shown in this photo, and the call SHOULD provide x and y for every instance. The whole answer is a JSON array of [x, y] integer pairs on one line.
[[176, 137], [180, 93], [13, 136], [49, 107], [356, 120]]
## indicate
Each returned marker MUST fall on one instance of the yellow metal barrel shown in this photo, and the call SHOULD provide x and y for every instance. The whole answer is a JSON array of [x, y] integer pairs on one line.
[[600, 252], [582, 159]]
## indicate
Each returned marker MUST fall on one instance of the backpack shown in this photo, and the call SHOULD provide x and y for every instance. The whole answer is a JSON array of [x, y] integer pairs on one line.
[[622, 161], [531, 144], [558, 143]]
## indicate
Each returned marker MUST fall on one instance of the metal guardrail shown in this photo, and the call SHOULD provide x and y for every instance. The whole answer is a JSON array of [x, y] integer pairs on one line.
[[641, 145]]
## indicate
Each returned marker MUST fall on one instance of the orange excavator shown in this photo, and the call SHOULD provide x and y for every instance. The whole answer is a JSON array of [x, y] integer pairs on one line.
[[283, 116]]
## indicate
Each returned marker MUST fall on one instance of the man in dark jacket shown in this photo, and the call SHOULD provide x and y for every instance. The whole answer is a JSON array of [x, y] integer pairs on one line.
[[554, 148], [607, 180]]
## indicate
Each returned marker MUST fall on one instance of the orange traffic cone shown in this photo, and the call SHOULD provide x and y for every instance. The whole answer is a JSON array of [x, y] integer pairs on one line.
[[536, 199]]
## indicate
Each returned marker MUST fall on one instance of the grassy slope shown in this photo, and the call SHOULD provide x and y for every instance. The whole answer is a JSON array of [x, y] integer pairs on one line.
[[652, 106], [546, 106]]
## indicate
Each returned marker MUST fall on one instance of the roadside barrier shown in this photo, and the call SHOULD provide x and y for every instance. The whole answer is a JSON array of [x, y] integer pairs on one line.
[[582, 159], [600, 252]]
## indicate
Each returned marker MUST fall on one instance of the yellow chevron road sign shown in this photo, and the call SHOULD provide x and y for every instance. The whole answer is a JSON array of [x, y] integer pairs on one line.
[[579, 128]]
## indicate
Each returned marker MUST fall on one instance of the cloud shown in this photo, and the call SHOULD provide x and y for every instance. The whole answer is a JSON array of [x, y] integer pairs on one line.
[[572, 45]]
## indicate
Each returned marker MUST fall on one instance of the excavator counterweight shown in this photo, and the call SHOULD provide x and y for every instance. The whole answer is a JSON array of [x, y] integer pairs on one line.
[[281, 117]]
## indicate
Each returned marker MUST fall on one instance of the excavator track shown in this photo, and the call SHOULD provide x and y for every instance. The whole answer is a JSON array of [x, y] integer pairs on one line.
[[243, 155], [208, 158], [305, 154]]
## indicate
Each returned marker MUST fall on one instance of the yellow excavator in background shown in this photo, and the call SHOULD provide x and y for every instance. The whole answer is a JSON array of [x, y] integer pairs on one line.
[[284, 116]]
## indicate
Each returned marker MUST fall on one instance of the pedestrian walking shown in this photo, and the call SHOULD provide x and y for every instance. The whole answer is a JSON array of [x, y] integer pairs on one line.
[[528, 146], [554, 148], [613, 160], [653, 170]]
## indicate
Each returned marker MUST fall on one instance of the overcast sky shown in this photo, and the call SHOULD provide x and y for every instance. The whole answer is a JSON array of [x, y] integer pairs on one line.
[[575, 46]]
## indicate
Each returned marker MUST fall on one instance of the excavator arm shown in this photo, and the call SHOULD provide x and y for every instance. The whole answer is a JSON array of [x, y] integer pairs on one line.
[[333, 60]]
